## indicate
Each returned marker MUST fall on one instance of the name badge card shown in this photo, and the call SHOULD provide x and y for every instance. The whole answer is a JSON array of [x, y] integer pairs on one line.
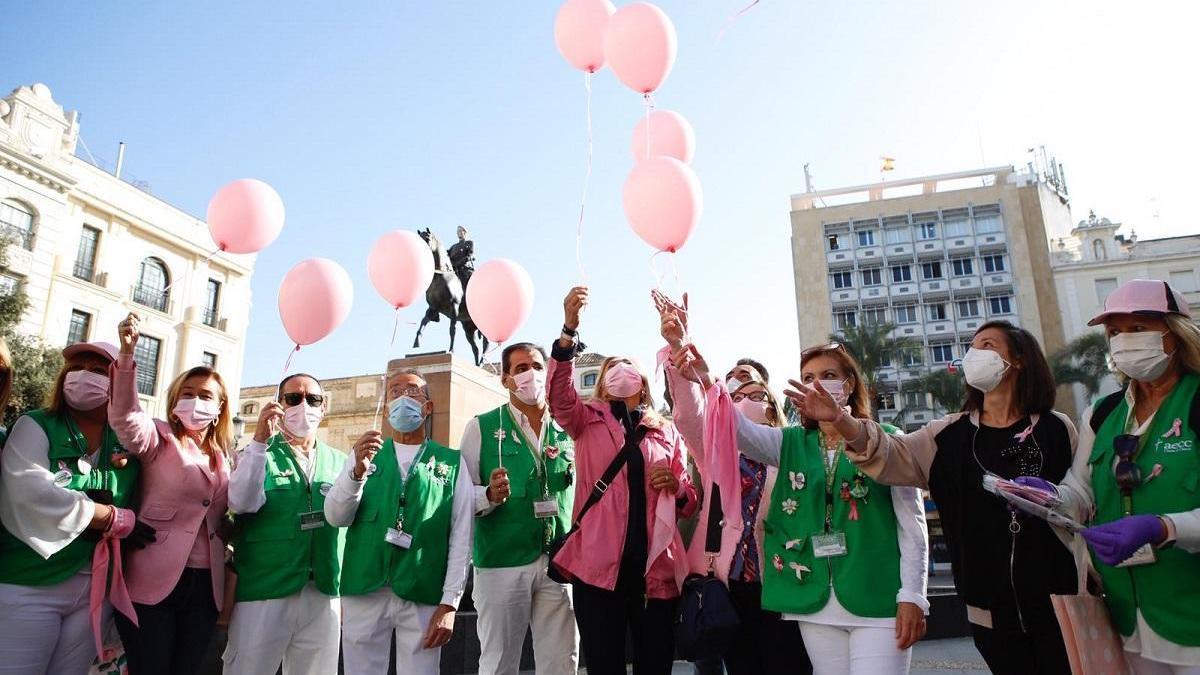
[[312, 520], [830, 545], [547, 508], [398, 538]]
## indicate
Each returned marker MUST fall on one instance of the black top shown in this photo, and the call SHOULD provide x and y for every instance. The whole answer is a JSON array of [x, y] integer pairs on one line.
[[631, 577], [1010, 574]]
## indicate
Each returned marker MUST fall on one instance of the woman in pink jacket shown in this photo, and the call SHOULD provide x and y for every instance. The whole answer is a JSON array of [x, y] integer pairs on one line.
[[626, 561], [177, 582]]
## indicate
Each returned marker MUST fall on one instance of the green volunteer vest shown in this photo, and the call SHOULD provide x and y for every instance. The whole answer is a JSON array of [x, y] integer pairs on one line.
[[273, 557], [418, 572], [23, 566], [1158, 589], [510, 535], [867, 579]]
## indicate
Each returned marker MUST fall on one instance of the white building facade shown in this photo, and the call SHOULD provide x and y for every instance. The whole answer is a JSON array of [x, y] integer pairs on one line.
[[88, 248], [1091, 262]]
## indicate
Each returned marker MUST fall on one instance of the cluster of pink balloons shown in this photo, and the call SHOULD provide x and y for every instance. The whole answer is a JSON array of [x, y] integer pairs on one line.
[[662, 195]]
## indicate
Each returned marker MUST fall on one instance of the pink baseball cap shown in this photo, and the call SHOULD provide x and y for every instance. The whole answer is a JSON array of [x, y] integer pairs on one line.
[[1143, 296], [105, 349]]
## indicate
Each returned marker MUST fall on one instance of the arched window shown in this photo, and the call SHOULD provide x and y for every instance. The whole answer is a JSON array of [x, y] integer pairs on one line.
[[1098, 250], [250, 409], [16, 221], [151, 288]]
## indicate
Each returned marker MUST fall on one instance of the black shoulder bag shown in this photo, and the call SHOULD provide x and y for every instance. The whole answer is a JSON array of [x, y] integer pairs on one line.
[[707, 623], [632, 444]]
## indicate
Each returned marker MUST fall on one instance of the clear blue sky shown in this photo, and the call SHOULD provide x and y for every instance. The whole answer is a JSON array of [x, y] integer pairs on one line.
[[375, 116]]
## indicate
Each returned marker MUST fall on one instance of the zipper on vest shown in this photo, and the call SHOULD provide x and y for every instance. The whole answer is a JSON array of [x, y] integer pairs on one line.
[[1015, 528]]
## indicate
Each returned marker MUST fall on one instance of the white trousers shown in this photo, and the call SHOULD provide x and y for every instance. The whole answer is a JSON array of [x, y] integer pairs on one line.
[[300, 631], [367, 625], [46, 629], [1143, 666], [511, 599], [837, 650]]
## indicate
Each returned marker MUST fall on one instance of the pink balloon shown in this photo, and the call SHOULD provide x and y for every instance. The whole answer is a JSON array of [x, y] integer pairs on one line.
[[640, 45], [663, 201], [500, 298], [400, 266], [314, 299], [670, 135], [245, 216], [579, 32]]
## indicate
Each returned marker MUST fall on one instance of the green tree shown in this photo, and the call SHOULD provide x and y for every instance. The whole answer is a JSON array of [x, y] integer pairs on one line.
[[1083, 361], [869, 344], [35, 365]]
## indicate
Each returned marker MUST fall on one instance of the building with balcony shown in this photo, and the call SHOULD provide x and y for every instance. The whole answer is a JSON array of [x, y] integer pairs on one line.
[[937, 256], [1091, 262], [88, 247]]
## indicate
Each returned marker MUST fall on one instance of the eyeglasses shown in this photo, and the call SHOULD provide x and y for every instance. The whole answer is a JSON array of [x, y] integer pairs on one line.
[[1128, 474], [294, 398], [757, 396], [412, 391], [831, 347]]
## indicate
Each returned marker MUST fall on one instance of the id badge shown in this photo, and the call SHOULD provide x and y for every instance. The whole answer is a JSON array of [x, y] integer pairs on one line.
[[547, 508], [398, 538], [830, 545], [312, 520], [62, 478], [1142, 556]]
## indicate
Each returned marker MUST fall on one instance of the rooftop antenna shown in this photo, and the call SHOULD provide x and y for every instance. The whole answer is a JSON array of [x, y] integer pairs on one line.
[[120, 159], [808, 186]]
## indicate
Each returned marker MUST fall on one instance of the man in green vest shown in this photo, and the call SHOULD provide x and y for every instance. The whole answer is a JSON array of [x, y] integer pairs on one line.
[[288, 559], [408, 506], [522, 465]]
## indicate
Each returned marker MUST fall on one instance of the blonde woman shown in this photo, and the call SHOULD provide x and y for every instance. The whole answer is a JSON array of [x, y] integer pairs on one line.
[[6, 382], [627, 560], [177, 583]]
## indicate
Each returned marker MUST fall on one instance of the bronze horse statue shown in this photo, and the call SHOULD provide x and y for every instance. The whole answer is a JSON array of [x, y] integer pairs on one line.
[[447, 297]]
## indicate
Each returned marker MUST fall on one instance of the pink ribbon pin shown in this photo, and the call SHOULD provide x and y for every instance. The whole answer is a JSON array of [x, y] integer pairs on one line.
[[1022, 436], [1175, 429]]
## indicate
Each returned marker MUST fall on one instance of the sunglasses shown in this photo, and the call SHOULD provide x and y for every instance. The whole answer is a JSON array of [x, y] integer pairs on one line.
[[831, 347], [1128, 474], [294, 398], [757, 397]]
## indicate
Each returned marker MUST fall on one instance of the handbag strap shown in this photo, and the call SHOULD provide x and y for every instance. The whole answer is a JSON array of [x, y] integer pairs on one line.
[[716, 516], [632, 444]]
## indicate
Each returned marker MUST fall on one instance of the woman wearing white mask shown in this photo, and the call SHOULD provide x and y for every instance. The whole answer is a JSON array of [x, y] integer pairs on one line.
[[842, 555], [1138, 472], [1005, 565], [523, 467], [177, 583], [287, 558], [65, 486], [626, 560]]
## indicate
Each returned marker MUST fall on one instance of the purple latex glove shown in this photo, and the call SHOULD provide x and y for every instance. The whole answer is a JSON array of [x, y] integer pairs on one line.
[[1035, 482], [1114, 542]]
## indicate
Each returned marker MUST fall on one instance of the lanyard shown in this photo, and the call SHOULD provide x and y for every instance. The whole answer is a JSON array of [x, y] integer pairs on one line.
[[539, 462], [404, 479], [300, 470], [80, 442], [830, 474]]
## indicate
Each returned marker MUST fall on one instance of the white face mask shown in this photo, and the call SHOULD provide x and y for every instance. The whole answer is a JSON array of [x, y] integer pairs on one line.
[[836, 389], [531, 386], [301, 421], [1140, 355], [733, 384], [984, 368]]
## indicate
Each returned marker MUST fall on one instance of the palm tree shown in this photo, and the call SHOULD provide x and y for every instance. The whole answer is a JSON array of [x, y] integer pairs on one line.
[[1083, 361], [870, 344]]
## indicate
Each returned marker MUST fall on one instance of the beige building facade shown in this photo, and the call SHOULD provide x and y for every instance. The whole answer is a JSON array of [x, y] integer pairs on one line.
[[936, 255], [1094, 259], [88, 247]]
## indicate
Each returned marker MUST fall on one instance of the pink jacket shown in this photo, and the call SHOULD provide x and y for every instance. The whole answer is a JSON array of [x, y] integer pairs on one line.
[[709, 422], [593, 554], [178, 495]]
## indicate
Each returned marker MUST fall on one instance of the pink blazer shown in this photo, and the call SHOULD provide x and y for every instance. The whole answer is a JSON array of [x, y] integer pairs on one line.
[[708, 423], [593, 554], [178, 495]]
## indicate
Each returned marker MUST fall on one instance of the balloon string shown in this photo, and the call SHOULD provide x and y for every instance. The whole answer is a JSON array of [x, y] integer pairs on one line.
[[488, 352], [379, 403], [730, 21], [205, 261], [395, 327], [649, 106], [287, 365], [654, 272], [675, 273], [587, 179]]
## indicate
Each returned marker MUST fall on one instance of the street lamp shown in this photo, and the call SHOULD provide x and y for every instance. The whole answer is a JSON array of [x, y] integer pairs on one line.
[[239, 425]]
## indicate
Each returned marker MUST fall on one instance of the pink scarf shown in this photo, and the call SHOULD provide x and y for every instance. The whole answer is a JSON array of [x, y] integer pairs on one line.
[[106, 555]]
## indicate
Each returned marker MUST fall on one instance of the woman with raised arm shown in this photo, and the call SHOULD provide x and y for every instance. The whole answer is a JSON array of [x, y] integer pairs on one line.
[[178, 582], [846, 557], [1005, 565], [626, 561]]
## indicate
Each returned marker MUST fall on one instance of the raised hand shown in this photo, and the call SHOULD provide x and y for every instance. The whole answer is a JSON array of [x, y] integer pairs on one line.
[[692, 366], [813, 401], [129, 331], [573, 304], [268, 421], [364, 451]]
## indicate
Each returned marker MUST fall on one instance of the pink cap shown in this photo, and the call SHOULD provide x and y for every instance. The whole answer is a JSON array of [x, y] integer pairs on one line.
[[105, 349], [1143, 296]]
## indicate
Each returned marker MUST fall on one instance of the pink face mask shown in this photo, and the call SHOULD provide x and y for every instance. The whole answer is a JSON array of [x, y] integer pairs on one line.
[[622, 380], [195, 413], [85, 390], [755, 411]]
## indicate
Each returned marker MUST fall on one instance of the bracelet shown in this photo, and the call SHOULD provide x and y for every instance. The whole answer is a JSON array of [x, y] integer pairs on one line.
[[569, 332]]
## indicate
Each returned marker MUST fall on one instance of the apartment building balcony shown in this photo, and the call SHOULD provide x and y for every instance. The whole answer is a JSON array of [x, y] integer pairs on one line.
[[905, 290], [911, 330], [936, 328], [995, 241], [968, 326], [868, 254], [844, 296], [898, 252], [935, 248], [997, 281], [960, 244], [874, 295], [842, 259], [935, 288], [966, 286]]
